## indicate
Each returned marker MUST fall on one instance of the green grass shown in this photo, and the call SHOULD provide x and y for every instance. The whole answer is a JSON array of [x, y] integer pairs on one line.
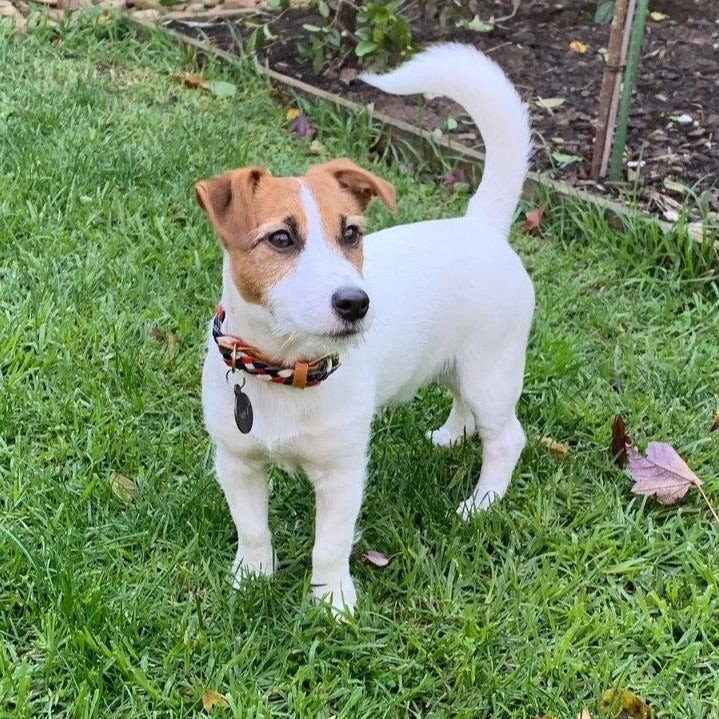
[[121, 608]]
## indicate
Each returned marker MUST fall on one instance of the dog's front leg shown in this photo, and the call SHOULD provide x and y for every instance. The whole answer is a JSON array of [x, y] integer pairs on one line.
[[338, 499], [244, 483]]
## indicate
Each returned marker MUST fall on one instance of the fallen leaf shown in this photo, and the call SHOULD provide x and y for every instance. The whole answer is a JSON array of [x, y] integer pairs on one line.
[[559, 449], [157, 334], [584, 714], [190, 80], [122, 487], [533, 218], [620, 442], [658, 16], [564, 160], [631, 705], [454, 177], [171, 342], [479, 25], [715, 425], [549, 103], [662, 473], [212, 699], [577, 46], [316, 147], [302, 128], [376, 558], [292, 113], [348, 75], [220, 88]]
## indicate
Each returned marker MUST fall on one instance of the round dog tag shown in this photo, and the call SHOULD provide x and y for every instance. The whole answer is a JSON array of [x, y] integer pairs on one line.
[[243, 410]]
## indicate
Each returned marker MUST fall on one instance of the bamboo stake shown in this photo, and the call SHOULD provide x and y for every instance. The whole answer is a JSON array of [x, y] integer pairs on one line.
[[630, 76], [611, 77], [612, 117]]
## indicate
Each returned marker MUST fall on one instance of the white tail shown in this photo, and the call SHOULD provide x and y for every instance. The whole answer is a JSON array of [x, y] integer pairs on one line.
[[467, 76]]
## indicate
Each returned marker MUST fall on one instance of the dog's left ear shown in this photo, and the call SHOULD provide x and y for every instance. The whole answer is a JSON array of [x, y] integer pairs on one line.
[[361, 183]]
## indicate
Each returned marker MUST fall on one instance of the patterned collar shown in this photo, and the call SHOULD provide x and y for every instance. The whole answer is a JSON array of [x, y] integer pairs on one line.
[[237, 354]]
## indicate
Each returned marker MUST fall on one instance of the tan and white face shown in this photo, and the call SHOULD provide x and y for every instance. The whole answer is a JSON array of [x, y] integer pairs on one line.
[[294, 245]]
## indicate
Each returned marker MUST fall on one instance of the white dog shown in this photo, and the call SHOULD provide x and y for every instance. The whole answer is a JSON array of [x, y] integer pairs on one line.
[[444, 300]]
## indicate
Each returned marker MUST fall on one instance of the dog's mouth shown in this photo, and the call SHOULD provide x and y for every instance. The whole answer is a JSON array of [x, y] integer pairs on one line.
[[345, 333]]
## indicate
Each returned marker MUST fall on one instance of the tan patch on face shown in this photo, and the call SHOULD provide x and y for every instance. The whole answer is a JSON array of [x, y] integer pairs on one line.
[[338, 210], [254, 264]]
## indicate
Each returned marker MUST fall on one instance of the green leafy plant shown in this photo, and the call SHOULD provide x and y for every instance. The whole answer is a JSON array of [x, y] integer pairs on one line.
[[383, 35]]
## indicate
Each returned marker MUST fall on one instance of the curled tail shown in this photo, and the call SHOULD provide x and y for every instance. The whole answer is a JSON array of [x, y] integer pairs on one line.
[[467, 76]]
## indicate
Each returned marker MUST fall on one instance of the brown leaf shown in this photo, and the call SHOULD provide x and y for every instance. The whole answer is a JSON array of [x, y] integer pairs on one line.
[[620, 442], [662, 473], [157, 334], [630, 704], [559, 449], [376, 558], [212, 699], [715, 426], [171, 342], [584, 714], [190, 80], [122, 487], [534, 217], [302, 128], [454, 177]]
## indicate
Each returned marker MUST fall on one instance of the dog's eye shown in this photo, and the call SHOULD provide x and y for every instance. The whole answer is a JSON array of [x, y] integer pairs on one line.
[[281, 240], [351, 235]]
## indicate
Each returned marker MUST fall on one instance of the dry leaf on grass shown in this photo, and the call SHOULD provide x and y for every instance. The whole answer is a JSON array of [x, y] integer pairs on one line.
[[559, 449], [664, 474], [630, 705], [454, 177], [584, 714], [212, 699], [715, 425], [577, 46], [122, 487], [533, 218], [219, 88], [376, 558], [620, 442], [302, 128]]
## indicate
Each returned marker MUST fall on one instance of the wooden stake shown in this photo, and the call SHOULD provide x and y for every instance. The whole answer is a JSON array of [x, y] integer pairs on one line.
[[612, 118], [612, 76]]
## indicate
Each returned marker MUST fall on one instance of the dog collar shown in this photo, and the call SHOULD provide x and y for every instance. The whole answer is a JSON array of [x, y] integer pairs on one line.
[[237, 354]]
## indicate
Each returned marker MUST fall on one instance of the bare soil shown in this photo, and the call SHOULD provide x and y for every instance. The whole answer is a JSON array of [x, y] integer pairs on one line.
[[669, 165]]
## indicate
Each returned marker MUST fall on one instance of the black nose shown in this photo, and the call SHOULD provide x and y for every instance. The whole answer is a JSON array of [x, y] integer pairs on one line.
[[350, 303]]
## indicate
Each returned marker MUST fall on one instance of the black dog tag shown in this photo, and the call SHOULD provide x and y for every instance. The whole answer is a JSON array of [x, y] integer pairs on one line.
[[243, 410]]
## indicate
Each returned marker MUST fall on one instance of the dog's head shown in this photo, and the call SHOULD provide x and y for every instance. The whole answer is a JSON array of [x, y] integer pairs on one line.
[[294, 246]]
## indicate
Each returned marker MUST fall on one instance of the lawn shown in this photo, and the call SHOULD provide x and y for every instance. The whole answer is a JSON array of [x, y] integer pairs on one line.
[[117, 604]]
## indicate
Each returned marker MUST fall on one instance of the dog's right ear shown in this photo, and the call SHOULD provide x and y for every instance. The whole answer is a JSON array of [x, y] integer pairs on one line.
[[228, 202]]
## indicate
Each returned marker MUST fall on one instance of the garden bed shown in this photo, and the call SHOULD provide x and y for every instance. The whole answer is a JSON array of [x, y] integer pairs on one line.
[[672, 163]]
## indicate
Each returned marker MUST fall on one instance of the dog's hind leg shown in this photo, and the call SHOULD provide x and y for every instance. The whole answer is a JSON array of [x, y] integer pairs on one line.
[[492, 393], [245, 486], [459, 424]]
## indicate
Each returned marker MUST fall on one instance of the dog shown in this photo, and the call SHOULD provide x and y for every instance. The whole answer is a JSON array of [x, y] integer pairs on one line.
[[319, 327]]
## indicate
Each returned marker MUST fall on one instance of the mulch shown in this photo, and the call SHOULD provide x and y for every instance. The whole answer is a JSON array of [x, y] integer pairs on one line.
[[672, 158]]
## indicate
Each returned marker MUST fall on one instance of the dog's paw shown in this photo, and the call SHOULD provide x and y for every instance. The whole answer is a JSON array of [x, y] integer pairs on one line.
[[474, 505], [443, 438], [258, 563], [339, 596]]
